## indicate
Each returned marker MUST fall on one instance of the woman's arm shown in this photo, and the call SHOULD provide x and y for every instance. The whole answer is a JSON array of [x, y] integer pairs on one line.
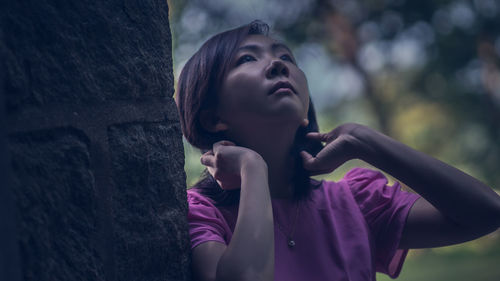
[[455, 206], [250, 253]]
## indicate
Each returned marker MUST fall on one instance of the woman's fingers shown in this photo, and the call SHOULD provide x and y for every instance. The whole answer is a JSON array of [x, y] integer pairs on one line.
[[333, 134], [211, 171], [318, 136], [309, 162], [306, 157], [218, 144], [208, 159], [312, 164], [226, 142], [328, 159]]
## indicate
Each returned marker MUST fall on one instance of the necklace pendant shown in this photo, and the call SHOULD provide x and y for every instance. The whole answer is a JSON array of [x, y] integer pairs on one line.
[[291, 243]]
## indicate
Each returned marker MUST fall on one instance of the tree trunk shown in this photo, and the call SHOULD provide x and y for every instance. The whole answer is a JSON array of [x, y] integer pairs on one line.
[[97, 163]]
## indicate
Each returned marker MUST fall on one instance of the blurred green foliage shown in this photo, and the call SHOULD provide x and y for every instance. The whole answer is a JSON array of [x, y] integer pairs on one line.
[[423, 72]]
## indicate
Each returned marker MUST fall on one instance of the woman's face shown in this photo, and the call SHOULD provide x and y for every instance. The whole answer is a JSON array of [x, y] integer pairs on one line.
[[263, 84]]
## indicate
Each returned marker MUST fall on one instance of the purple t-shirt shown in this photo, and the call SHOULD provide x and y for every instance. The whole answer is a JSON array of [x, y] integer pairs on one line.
[[346, 230]]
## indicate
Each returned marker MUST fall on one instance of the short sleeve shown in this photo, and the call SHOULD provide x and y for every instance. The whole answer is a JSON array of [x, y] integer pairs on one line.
[[385, 209], [206, 223]]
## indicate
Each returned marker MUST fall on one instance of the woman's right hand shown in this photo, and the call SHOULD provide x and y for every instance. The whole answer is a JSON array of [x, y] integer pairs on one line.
[[226, 160]]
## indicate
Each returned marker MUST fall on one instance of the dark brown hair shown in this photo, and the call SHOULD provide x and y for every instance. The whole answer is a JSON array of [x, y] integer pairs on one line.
[[197, 88]]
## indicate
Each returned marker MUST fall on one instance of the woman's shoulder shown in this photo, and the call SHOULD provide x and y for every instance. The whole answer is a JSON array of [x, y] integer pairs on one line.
[[359, 178], [356, 180], [361, 173], [195, 198], [199, 201], [366, 189], [353, 175]]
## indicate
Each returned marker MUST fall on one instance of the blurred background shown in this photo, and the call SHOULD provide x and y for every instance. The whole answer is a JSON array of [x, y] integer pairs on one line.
[[426, 73]]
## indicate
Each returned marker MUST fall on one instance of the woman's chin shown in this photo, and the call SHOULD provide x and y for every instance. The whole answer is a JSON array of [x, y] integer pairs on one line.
[[284, 121], [286, 111]]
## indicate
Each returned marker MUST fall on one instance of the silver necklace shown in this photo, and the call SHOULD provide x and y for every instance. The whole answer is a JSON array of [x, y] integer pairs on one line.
[[289, 237]]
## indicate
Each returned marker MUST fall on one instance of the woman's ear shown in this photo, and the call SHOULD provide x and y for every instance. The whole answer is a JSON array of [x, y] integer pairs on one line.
[[212, 123]]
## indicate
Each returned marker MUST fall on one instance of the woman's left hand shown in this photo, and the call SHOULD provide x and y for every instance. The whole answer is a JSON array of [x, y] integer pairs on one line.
[[346, 142]]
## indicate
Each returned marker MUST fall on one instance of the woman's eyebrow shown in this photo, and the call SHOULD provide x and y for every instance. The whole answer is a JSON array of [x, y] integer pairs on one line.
[[253, 48], [280, 45], [257, 48]]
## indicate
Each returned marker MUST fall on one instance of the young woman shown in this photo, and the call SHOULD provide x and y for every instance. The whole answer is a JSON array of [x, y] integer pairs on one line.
[[257, 215]]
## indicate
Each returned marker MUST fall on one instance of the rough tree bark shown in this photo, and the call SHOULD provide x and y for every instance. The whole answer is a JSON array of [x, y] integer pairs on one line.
[[96, 156]]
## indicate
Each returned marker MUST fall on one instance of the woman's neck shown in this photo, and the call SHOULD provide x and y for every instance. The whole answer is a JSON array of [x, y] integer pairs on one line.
[[274, 145], [281, 168]]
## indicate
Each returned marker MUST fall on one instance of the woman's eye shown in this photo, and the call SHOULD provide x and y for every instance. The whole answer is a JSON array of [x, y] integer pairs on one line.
[[245, 58], [287, 58]]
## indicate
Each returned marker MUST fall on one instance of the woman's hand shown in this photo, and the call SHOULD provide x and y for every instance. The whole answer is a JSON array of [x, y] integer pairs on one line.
[[226, 160], [346, 142]]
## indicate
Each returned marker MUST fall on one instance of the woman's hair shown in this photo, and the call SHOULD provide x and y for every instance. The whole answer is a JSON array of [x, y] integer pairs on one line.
[[197, 88]]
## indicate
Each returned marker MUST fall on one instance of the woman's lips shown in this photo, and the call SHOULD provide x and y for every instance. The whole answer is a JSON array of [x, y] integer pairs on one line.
[[283, 91], [282, 87]]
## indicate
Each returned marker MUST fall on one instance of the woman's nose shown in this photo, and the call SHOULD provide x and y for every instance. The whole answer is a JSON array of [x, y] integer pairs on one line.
[[277, 68]]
